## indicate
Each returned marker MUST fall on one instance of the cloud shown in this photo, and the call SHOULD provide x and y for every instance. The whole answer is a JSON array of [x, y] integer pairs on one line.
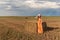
[[42, 4], [28, 7], [42, 0], [8, 7], [36, 4], [3, 2], [31, 3]]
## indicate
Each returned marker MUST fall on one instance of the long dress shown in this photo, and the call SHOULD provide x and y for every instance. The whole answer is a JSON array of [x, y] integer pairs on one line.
[[40, 28]]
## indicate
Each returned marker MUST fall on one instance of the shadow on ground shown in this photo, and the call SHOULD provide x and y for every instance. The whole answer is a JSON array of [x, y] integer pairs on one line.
[[46, 28]]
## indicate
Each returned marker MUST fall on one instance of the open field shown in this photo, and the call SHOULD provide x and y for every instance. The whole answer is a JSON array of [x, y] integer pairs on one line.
[[24, 28]]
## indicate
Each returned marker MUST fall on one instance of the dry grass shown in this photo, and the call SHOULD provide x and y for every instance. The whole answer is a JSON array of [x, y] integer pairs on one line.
[[24, 28]]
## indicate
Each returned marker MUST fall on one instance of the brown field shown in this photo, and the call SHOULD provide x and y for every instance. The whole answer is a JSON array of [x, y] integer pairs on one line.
[[25, 28]]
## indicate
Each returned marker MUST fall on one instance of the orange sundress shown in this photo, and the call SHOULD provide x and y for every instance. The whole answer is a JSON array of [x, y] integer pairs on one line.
[[40, 28]]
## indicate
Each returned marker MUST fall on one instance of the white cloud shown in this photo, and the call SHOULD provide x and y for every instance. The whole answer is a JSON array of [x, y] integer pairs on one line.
[[37, 4], [31, 4], [8, 7], [3, 2], [45, 4], [51, 4]]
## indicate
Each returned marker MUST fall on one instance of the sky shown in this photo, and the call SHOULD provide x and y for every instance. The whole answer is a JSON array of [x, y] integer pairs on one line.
[[29, 7]]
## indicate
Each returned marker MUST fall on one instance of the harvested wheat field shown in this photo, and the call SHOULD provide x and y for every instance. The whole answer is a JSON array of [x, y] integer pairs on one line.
[[25, 28]]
